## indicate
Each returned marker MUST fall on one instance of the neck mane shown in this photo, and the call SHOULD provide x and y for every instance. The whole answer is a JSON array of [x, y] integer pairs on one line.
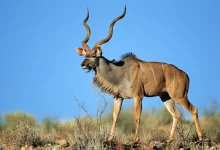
[[104, 85]]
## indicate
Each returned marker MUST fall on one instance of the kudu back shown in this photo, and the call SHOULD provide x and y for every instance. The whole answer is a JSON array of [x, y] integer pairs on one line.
[[134, 78]]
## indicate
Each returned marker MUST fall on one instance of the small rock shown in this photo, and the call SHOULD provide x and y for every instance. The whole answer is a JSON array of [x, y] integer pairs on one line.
[[119, 146], [213, 148], [24, 147], [30, 148], [157, 145], [62, 143], [70, 148], [56, 147], [2, 147], [206, 147], [218, 146], [46, 148]]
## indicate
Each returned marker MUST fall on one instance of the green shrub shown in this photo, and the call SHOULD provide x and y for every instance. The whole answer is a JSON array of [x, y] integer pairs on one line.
[[20, 129], [211, 121], [1, 122], [49, 124]]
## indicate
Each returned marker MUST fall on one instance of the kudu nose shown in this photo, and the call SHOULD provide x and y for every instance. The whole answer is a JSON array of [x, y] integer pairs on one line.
[[83, 66]]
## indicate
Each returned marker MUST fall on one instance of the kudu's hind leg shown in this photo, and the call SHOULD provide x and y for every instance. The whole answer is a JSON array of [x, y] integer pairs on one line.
[[170, 105], [184, 102], [116, 111]]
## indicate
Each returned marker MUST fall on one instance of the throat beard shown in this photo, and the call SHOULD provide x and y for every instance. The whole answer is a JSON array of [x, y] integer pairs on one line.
[[104, 85]]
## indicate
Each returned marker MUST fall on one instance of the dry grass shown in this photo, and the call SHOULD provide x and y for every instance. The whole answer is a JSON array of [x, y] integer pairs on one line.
[[19, 129]]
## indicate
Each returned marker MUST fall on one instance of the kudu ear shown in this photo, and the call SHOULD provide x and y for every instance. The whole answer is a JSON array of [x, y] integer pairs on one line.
[[80, 51], [99, 50]]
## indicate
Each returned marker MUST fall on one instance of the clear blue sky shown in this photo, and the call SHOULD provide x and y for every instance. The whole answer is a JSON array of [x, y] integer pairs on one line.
[[39, 68]]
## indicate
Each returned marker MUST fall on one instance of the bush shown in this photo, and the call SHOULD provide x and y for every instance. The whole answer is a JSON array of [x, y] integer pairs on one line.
[[211, 121], [20, 129], [49, 124], [83, 133]]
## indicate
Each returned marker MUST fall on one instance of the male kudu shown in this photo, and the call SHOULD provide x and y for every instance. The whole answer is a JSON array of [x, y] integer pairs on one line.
[[134, 78]]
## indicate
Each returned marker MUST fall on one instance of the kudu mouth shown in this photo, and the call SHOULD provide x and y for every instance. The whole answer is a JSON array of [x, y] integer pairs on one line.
[[87, 67], [83, 67]]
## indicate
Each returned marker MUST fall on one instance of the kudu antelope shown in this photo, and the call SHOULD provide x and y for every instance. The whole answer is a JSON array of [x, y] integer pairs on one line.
[[134, 78]]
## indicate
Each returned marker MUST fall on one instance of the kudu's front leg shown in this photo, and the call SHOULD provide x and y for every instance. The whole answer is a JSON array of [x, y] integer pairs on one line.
[[116, 111], [137, 115]]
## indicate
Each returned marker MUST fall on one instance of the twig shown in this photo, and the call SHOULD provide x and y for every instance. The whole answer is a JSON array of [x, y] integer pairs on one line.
[[103, 107], [82, 107], [189, 130]]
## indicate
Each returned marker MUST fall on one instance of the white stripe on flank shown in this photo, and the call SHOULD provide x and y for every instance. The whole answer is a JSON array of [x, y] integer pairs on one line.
[[153, 73], [163, 67], [173, 79]]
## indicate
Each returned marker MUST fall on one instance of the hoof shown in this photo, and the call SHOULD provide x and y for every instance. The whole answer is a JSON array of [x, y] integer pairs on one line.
[[136, 140], [110, 138], [169, 141], [198, 142], [135, 144], [107, 143]]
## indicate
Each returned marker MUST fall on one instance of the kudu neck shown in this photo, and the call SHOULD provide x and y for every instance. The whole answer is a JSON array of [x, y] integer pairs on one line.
[[103, 65]]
